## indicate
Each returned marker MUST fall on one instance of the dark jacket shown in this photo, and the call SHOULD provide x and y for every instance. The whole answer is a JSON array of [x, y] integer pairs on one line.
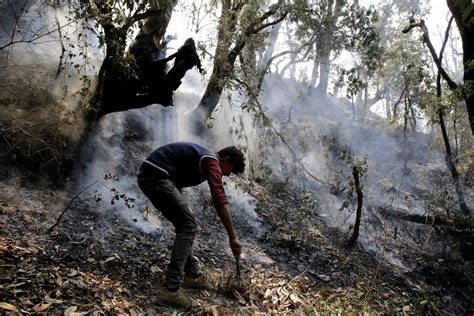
[[181, 162]]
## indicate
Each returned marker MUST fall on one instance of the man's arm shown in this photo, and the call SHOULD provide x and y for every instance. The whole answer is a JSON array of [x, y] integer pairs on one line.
[[170, 57], [214, 178], [224, 214]]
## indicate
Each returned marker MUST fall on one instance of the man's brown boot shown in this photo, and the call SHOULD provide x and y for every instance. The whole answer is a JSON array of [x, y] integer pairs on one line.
[[197, 283], [179, 299]]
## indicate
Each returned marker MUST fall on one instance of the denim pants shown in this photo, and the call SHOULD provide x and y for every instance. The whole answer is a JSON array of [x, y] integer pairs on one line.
[[165, 197]]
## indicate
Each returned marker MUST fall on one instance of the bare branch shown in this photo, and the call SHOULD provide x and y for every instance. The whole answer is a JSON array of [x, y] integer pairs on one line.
[[33, 39], [141, 16], [263, 26], [67, 207], [446, 37], [426, 38]]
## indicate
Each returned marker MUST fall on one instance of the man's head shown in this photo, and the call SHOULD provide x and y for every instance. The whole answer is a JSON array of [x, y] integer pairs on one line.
[[190, 42], [232, 160]]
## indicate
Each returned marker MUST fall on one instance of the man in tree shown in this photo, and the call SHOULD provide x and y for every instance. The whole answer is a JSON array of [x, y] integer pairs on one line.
[[185, 59], [151, 72], [143, 49], [168, 169]]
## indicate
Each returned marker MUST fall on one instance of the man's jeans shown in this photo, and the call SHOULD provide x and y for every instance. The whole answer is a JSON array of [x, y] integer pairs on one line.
[[168, 199]]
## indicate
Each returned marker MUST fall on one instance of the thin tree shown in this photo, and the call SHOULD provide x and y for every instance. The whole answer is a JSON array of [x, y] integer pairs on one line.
[[356, 172], [453, 86]]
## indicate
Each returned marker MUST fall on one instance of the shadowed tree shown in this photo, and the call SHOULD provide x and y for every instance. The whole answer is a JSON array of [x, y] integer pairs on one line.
[[114, 19], [463, 12], [453, 86]]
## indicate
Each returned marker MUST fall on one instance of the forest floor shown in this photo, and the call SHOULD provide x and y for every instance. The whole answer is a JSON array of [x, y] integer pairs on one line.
[[97, 263]]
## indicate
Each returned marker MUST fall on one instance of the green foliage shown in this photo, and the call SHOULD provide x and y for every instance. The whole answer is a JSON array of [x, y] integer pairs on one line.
[[116, 194], [361, 24], [346, 27], [429, 304], [335, 150], [361, 167], [351, 79]]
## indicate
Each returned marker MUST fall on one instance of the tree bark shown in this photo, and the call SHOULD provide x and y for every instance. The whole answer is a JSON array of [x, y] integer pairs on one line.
[[265, 61], [222, 66], [325, 44], [115, 88], [324, 67], [360, 197], [449, 156], [225, 56], [463, 12], [315, 70], [451, 166]]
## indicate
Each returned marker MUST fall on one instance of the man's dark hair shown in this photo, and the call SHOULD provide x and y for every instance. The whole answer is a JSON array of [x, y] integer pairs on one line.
[[235, 156]]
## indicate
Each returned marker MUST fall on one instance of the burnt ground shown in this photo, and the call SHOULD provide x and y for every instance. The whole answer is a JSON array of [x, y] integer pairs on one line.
[[97, 263]]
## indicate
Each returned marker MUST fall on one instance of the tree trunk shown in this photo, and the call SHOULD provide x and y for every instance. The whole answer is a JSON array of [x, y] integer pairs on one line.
[[222, 67], [325, 44], [449, 156], [225, 57], [463, 13], [272, 39], [116, 89], [324, 68], [360, 197], [115, 47], [388, 101], [452, 167], [314, 72], [265, 61]]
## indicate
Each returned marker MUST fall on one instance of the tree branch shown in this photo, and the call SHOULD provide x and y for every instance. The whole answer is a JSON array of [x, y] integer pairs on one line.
[[426, 38], [141, 16], [70, 202], [254, 28], [263, 26], [32, 39], [446, 37], [297, 51]]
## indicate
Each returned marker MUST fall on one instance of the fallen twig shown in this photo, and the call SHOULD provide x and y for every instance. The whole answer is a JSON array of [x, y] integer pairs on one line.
[[70, 202]]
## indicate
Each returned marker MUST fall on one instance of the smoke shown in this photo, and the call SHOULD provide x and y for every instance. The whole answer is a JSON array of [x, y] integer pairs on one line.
[[54, 59], [243, 209], [314, 134], [321, 134]]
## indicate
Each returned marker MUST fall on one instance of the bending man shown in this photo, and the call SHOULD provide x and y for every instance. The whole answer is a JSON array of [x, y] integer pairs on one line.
[[170, 168]]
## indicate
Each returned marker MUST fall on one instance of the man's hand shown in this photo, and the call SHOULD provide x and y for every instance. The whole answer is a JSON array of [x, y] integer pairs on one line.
[[236, 248]]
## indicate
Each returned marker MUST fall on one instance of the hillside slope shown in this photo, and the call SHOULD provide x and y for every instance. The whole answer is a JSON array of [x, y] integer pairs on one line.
[[110, 249]]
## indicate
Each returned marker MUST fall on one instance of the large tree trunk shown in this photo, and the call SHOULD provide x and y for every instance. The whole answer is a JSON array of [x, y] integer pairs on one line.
[[116, 88], [324, 45], [324, 67], [225, 56], [222, 67], [109, 74], [463, 13], [314, 70]]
